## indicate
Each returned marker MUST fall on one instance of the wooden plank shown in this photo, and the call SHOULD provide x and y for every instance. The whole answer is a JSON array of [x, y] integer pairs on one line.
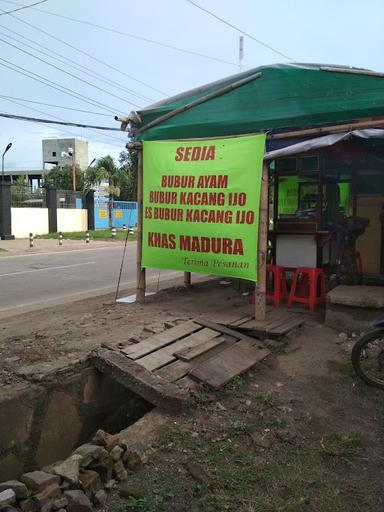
[[189, 353], [241, 320], [161, 340], [229, 363], [227, 316], [252, 324], [287, 326], [223, 329], [139, 380], [231, 332], [272, 317], [278, 320], [165, 355], [178, 369], [174, 371]]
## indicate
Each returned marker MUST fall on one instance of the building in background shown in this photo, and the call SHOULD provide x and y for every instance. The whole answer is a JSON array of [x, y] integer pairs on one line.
[[55, 150], [52, 155]]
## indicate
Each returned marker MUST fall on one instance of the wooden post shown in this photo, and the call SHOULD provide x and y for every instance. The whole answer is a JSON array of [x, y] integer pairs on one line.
[[187, 279], [260, 291], [140, 272]]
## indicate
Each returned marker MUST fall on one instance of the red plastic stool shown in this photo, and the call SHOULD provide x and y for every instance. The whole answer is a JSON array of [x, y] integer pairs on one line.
[[278, 291], [308, 280]]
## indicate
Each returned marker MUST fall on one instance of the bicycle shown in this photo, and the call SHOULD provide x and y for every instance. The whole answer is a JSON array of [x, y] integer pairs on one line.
[[368, 355]]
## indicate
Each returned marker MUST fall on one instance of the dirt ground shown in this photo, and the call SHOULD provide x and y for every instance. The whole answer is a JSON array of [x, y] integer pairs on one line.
[[54, 336], [297, 433]]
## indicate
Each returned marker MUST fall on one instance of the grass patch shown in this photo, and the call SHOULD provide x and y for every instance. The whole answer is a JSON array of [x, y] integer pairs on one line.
[[233, 387], [283, 479], [97, 234], [343, 446], [290, 473], [269, 400], [3, 252]]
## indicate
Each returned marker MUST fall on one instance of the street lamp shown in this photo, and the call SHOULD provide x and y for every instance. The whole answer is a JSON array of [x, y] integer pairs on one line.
[[71, 154], [2, 160], [90, 165]]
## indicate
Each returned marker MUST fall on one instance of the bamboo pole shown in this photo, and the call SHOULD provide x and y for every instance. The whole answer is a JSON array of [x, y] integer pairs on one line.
[[187, 279], [140, 272], [304, 132], [347, 127], [199, 101], [260, 291]]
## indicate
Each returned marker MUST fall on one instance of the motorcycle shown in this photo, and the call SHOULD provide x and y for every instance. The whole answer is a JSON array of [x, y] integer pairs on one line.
[[368, 355]]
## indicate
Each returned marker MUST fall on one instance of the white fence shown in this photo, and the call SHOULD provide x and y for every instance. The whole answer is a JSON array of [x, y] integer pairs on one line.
[[29, 220], [69, 219], [35, 220]]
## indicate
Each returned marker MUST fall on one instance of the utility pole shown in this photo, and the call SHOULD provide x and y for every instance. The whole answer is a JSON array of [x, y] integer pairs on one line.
[[241, 52], [74, 171]]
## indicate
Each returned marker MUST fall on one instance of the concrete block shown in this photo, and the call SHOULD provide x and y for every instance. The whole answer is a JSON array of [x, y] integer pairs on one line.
[[78, 501], [39, 480], [20, 489], [7, 497]]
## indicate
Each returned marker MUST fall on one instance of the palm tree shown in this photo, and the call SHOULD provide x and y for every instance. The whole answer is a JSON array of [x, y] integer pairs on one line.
[[105, 169]]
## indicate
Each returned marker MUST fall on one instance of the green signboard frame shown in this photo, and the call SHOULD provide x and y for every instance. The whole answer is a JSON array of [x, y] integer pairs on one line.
[[201, 205]]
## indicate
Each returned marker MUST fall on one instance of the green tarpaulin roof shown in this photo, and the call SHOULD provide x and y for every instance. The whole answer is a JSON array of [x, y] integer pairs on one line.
[[284, 96]]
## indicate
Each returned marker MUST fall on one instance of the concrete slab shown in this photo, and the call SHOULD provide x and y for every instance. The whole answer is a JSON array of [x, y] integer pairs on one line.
[[358, 296]]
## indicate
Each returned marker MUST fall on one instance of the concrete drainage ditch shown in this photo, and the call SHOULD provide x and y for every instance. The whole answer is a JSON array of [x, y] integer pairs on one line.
[[93, 426]]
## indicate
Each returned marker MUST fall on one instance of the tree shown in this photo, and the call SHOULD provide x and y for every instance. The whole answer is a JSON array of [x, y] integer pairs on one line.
[[105, 169], [61, 178], [127, 161]]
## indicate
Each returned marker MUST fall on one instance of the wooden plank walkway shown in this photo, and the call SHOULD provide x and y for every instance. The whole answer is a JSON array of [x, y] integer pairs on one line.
[[278, 322], [166, 367], [181, 358], [229, 363]]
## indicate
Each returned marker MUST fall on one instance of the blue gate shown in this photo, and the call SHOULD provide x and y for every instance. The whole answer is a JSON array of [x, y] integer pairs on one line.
[[124, 213]]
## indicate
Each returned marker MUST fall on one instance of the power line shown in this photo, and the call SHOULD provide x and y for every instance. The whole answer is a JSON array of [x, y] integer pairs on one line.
[[63, 59], [234, 27], [55, 106], [61, 123], [24, 7], [54, 85], [104, 134], [96, 59], [62, 130], [67, 72], [133, 36]]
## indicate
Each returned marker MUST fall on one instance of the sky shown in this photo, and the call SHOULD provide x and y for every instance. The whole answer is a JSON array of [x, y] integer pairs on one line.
[[127, 73]]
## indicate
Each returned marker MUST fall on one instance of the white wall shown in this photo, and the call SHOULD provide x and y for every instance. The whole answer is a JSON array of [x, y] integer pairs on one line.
[[69, 219], [29, 220]]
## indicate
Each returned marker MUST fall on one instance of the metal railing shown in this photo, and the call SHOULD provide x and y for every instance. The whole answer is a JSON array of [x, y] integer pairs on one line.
[[25, 197], [69, 199]]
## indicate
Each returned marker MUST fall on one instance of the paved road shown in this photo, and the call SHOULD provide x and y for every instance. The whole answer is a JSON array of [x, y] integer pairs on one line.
[[39, 280]]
